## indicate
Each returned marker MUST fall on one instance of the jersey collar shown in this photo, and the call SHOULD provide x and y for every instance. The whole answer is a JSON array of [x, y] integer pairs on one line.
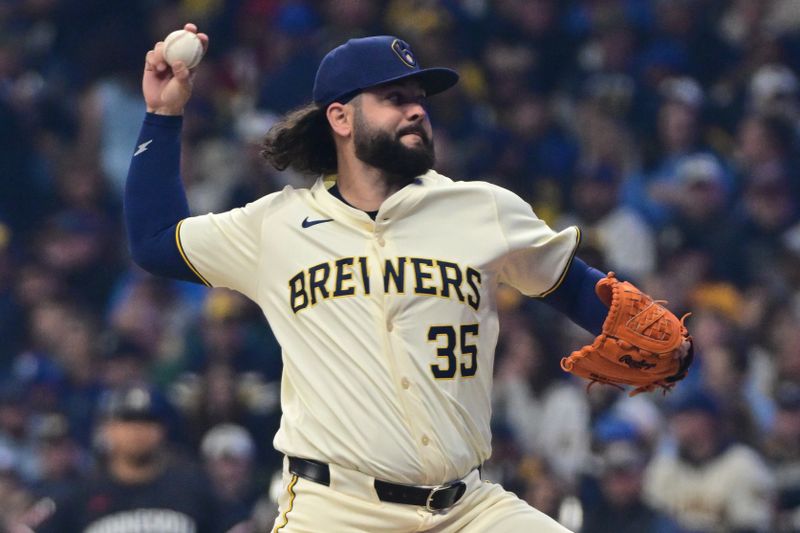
[[392, 208]]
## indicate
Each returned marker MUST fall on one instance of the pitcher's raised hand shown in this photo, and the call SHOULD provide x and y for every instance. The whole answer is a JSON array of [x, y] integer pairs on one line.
[[167, 89]]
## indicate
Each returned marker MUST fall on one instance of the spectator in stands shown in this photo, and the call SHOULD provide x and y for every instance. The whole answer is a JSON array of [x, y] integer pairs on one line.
[[767, 215], [622, 236], [621, 459], [15, 501], [530, 394], [678, 134], [139, 481], [123, 362], [782, 449], [61, 464], [702, 221], [229, 456], [774, 90], [15, 438], [764, 144], [709, 483]]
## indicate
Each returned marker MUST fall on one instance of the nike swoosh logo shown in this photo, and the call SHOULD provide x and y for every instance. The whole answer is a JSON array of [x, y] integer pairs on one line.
[[142, 148], [308, 223]]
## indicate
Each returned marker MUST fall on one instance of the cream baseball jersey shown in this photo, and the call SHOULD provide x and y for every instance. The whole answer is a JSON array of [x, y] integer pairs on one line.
[[388, 326]]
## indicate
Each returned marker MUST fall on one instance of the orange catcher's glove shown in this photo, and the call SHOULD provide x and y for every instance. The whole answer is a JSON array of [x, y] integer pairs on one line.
[[642, 343]]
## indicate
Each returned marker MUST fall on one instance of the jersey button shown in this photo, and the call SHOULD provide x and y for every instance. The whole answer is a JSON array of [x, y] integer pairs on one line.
[[389, 326], [381, 241], [405, 383], [425, 440]]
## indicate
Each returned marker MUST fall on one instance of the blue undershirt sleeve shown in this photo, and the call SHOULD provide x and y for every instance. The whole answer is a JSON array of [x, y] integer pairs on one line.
[[155, 201], [575, 297]]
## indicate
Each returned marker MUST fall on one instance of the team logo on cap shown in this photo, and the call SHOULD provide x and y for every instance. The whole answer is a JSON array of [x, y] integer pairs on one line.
[[404, 52]]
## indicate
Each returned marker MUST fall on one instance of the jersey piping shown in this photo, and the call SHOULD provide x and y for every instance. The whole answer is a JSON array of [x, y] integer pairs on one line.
[[185, 258], [292, 495], [566, 267]]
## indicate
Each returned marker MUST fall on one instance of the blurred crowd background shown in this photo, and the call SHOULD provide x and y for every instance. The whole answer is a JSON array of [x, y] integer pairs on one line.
[[665, 129]]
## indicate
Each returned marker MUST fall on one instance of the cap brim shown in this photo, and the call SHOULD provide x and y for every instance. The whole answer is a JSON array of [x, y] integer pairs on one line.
[[433, 80]]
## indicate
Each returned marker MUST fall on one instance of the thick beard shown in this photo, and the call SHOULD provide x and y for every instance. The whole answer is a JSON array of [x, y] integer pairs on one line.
[[388, 153]]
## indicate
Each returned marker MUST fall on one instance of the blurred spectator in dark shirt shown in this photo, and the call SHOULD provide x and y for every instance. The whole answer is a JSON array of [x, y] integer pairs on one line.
[[684, 25], [229, 455], [531, 147], [64, 334], [24, 192], [123, 362], [61, 465], [81, 248], [139, 481], [764, 146], [610, 39], [621, 460], [767, 215], [703, 220], [535, 23], [723, 371]]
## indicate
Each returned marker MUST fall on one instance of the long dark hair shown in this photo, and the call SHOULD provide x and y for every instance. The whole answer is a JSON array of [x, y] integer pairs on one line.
[[301, 140]]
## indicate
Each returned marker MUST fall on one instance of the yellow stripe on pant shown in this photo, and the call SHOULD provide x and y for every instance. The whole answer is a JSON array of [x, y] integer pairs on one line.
[[291, 504]]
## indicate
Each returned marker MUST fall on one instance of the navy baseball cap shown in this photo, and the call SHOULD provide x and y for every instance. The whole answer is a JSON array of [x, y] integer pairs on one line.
[[362, 63], [134, 403]]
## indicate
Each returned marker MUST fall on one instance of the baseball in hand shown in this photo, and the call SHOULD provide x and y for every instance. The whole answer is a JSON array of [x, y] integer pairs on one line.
[[182, 45]]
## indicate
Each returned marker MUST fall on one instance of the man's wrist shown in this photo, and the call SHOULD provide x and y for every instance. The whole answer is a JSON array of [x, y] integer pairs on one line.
[[165, 111]]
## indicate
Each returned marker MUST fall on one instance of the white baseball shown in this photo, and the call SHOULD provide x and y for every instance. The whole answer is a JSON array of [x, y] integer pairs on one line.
[[182, 45]]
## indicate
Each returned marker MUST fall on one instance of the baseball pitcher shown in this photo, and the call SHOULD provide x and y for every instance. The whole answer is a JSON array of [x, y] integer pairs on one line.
[[379, 283]]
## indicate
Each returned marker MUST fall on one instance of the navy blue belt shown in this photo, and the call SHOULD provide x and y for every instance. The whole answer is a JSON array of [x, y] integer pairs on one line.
[[432, 498]]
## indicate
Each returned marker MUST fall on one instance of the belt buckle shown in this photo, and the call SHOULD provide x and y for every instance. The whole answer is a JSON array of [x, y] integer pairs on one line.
[[441, 488]]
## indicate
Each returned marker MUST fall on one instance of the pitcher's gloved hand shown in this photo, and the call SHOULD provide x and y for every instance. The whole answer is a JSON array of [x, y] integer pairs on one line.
[[642, 344]]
